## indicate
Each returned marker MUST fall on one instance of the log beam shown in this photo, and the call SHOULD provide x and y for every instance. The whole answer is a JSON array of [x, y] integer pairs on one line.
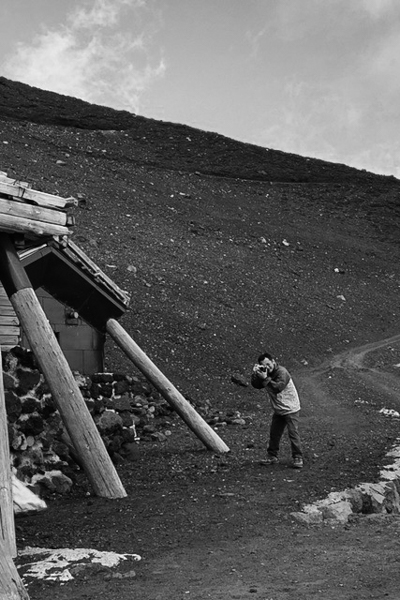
[[63, 386], [15, 224], [184, 409], [7, 526], [11, 586], [35, 213], [29, 195]]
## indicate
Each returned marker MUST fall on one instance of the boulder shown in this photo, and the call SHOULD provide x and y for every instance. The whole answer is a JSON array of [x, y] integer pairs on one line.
[[52, 481], [338, 511], [392, 498], [121, 387], [240, 380], [27, 381], [13, 406], [122, 403], [109, 422], [9, 382], [31, 405], [31, 424], [24, 500], [373, 497]]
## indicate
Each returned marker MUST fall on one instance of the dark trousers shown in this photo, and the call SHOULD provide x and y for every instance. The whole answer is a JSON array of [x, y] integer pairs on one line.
[[278, 424]]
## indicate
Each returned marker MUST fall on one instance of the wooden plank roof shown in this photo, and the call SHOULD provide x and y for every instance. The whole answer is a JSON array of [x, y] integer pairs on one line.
[[23, 190], [42, 222], [70, 276], [31, 213]]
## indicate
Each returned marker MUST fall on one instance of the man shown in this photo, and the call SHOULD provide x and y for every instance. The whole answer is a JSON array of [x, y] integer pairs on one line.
[[285, 404]]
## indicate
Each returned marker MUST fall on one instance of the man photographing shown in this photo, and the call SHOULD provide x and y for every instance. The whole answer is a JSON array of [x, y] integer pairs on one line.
[[276, 380]]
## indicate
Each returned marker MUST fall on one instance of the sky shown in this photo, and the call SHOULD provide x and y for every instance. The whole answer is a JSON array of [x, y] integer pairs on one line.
[[319, 78]]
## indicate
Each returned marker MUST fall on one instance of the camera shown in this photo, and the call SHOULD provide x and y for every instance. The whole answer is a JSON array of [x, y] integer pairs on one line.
[[262, 369]]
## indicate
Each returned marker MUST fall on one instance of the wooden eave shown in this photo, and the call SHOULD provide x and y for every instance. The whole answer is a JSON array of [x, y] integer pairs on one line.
[[41, 222], [33, 214], [66, 273]]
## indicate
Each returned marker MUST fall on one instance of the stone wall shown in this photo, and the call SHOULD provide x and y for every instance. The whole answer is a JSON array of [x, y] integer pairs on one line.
[[125, 408], [375, 499]]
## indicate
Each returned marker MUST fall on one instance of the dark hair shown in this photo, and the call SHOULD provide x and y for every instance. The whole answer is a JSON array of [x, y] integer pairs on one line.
[[265, 355]]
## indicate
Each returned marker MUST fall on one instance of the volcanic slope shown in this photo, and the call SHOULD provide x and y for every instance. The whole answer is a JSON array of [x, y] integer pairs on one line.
[[227, 249]]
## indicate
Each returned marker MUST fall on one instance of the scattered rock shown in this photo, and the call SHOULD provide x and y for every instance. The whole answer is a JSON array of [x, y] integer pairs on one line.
[[380, 498], [239, 380]]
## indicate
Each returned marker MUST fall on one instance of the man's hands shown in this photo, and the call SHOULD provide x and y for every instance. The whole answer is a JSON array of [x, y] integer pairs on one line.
[[261, 371]]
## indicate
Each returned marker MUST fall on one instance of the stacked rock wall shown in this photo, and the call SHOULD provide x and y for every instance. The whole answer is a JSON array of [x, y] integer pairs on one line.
[[125, 408]]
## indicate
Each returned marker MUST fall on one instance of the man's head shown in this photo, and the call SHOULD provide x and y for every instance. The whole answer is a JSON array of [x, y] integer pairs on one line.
[[268, 361]]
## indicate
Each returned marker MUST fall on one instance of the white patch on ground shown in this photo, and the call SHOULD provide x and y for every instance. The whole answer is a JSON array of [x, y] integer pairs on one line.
[[389, 412], [24, 500], [55, 564]]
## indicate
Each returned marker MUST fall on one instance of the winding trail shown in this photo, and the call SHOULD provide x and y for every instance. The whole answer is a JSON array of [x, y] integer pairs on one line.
[[353, 361], [382, 496]]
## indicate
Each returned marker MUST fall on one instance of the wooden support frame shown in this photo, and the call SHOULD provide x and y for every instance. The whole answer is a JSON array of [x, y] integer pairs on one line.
[[63, 386], [185, 410], [11, 587], [7, 526]]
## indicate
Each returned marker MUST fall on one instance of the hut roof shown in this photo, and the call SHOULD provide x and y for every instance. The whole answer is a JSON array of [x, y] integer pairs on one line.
[[40, 224], [33, 214], [68, 274]]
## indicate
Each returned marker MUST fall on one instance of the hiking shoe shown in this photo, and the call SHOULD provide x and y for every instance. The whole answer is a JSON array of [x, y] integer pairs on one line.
[[271, 460], [298, 462]]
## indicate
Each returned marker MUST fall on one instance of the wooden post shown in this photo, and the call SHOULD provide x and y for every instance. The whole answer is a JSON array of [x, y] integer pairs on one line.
[[185, 410], [11, 586], [7, 526], [64, 389]]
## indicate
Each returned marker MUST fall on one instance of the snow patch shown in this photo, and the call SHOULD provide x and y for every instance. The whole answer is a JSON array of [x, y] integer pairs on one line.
[[24, 500], [55, 565], [389, 412]]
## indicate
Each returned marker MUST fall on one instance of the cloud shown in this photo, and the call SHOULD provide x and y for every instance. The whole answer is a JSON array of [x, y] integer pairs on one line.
[[102, 54], [383, 158], [382, 66], [307, 120], [292, 20], [330, 122], [378, 8], [103, 13], [336, 93], [254, 39]]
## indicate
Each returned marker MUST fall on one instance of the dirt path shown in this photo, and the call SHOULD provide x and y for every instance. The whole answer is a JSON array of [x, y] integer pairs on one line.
[[353, 361], [333, 392], [354, 358]]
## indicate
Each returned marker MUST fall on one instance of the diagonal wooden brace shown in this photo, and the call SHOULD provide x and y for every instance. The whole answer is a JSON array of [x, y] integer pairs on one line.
[[185, 410]]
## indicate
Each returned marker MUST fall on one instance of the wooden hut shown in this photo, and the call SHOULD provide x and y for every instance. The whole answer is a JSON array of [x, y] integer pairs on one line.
[[36, 252], [38, 226], [77, 298]]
